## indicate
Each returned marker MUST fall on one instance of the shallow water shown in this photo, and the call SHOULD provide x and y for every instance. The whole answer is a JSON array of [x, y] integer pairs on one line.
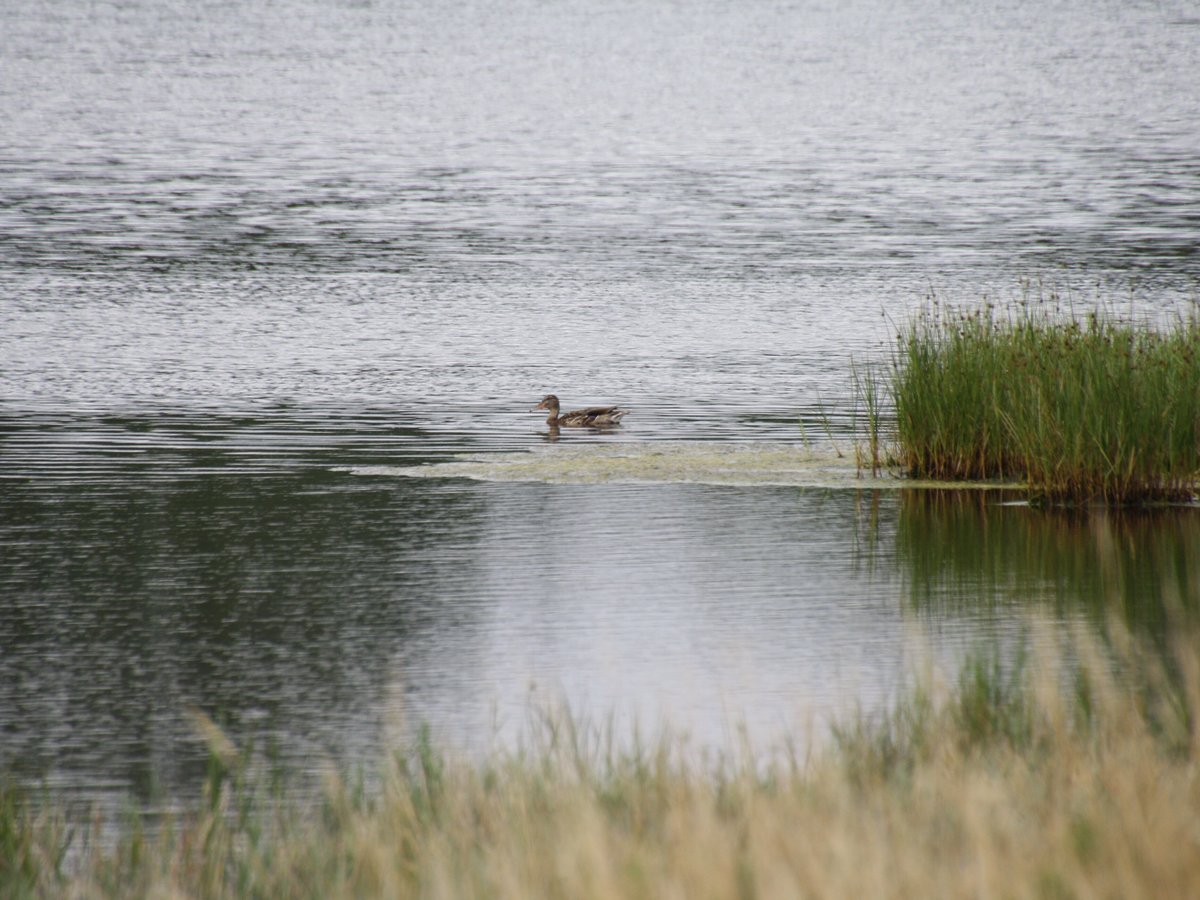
[[260, 265]]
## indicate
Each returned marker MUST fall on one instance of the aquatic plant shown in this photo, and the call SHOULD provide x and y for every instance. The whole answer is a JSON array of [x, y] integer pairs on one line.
[[1026, 778], [1096, 409]]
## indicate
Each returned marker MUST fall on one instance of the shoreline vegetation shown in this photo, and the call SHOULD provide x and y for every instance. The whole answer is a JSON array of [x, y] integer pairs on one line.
[[1070, 773], [1078, 410]]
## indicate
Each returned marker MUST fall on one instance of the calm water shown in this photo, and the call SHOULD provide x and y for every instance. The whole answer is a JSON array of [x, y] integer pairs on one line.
[[253, 258]]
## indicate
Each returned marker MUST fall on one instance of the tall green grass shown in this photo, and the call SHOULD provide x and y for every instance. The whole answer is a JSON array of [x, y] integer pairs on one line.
[[1080, 410]]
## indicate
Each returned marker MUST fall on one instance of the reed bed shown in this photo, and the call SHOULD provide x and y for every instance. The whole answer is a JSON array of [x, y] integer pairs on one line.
[[1031, 780], [1081, 411]]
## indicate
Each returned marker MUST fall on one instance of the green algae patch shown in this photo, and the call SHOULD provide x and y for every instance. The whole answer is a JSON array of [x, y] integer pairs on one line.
[[671, 462]]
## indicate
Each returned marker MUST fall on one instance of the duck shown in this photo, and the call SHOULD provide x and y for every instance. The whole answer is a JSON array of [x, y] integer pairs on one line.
[[592, 417]]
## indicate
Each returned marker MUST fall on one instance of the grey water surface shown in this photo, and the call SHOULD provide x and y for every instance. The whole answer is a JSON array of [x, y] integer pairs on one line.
[[255, 256]]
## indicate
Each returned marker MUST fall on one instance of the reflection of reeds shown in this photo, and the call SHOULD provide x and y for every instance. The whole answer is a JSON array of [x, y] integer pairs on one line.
[[961, 548], [1091, 410], [1017, 780]]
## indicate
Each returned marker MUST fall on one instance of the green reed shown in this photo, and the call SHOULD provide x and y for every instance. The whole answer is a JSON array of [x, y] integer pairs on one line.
[[1096, 409]]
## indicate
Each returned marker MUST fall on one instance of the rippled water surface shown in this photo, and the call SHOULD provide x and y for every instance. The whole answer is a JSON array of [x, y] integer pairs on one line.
[[259, 263]]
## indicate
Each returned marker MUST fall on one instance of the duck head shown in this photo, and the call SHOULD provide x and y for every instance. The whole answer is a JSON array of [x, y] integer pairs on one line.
[[549, 402]]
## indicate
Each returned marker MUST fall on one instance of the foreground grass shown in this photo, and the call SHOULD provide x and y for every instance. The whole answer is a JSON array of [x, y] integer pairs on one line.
[[1080, 411], [1025, 783]]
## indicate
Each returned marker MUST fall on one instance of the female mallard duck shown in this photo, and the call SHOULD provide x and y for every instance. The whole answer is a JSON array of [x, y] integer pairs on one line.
[[592, 417]]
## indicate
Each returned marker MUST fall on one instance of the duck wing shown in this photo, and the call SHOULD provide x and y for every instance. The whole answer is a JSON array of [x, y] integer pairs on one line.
[[594, 415]]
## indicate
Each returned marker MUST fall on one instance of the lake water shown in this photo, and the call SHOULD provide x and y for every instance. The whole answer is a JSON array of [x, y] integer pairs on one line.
[[262, 263]]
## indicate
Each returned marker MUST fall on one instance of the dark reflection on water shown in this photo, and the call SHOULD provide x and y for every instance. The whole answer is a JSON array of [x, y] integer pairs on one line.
[[128, 601], [960, 551], [331, 613]]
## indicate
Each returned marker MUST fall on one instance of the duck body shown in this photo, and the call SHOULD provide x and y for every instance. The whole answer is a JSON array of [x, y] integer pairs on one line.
[[592, 417]]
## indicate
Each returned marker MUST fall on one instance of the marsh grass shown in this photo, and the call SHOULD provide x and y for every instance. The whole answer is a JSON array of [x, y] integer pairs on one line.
[[1091, 409], [1033, 778], [868, 390]]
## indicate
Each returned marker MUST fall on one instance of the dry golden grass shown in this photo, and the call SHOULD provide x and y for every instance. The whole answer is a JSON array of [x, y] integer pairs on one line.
[[1040, 783]]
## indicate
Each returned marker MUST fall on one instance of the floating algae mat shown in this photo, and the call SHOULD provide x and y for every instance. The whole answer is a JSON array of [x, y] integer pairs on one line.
[[667, 462]]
